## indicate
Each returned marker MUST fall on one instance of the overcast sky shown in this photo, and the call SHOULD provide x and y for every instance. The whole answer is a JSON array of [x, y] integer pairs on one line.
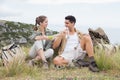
[[89, 13], [104, 13]]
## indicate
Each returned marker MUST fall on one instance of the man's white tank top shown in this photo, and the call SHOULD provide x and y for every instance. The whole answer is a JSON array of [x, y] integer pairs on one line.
[[72, 42]]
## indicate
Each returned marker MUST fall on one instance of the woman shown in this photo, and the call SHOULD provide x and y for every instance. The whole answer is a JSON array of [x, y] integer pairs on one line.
[[37, 51]]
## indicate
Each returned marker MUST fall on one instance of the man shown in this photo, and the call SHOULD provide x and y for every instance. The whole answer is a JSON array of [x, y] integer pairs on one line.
[[72, 44]]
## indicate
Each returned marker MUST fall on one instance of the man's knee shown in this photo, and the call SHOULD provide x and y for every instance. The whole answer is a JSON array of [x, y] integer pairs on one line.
[[87, 37], [57, 60]]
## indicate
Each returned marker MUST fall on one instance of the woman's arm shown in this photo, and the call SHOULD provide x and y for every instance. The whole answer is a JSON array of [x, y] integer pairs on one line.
[[39, 37], [44, 37]]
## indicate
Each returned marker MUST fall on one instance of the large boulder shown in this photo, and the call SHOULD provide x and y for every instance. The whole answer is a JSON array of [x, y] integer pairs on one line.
[[101, 42], [98, 36]]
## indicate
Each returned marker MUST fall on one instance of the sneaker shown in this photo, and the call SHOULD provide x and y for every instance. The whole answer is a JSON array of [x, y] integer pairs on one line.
[[75, 62], [31, 63], [59, 67], [93, 67], [81, 63], [45, 65]]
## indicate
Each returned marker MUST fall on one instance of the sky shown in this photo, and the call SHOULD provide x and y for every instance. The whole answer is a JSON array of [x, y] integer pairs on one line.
[[89, 13]]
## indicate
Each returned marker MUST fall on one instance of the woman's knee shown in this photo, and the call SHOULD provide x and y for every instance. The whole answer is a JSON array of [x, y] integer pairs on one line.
[[38, 44], [51, 51]]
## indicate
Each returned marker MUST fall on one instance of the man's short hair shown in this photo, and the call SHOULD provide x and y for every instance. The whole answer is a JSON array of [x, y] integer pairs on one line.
[[71, 18]]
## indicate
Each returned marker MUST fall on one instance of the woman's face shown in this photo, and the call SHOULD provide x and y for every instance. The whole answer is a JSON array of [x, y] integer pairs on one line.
[[44, 23]]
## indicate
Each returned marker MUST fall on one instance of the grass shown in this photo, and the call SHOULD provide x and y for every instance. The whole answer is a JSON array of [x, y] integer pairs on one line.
[[108, 61], [66, 74], [108, 64], [104, 61]]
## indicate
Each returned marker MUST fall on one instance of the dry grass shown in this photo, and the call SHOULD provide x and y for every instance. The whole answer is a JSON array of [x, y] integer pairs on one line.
[[110, 70], [67, 74]]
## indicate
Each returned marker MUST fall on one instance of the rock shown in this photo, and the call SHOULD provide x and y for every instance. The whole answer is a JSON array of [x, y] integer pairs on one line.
[[101, 42], [98, 36]]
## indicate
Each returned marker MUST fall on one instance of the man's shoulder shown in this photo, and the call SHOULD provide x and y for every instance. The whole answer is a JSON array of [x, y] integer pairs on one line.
[[63, 31], [79, 32]]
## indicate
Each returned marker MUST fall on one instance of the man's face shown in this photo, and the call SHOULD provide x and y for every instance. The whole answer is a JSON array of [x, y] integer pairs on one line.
[[68, 24]]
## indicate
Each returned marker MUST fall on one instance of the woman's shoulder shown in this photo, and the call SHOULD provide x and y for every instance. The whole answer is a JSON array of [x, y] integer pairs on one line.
[[34, 34]]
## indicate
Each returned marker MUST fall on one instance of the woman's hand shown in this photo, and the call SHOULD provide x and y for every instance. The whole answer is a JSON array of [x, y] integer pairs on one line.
[[39, 38], [44, 37]]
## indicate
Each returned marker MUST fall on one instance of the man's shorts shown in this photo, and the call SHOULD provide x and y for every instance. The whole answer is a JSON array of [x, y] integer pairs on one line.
[[72, 54]]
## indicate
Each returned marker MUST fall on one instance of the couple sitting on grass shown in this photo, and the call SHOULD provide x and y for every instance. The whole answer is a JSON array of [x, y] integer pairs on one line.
[[71, 43]]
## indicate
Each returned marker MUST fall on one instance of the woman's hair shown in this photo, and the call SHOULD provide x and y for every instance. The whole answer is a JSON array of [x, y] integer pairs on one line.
[[39, 19]]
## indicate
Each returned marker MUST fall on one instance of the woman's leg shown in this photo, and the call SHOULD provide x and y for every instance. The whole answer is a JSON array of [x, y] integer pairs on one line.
[[37, 53], [49, 53], [41, 55]]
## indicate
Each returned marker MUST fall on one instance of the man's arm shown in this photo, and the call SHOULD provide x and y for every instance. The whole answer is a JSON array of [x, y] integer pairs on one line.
[[57, 40]]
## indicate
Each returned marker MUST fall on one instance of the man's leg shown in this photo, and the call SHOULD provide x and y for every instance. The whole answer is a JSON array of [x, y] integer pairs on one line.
[[60, 61], [87, 45]]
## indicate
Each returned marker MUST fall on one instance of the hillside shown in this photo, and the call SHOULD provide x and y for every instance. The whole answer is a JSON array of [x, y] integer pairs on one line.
[[15, 32]]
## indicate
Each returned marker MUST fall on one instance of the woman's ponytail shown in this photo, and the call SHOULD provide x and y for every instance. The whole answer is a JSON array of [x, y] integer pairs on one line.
[[35, 27], [39, 20]]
